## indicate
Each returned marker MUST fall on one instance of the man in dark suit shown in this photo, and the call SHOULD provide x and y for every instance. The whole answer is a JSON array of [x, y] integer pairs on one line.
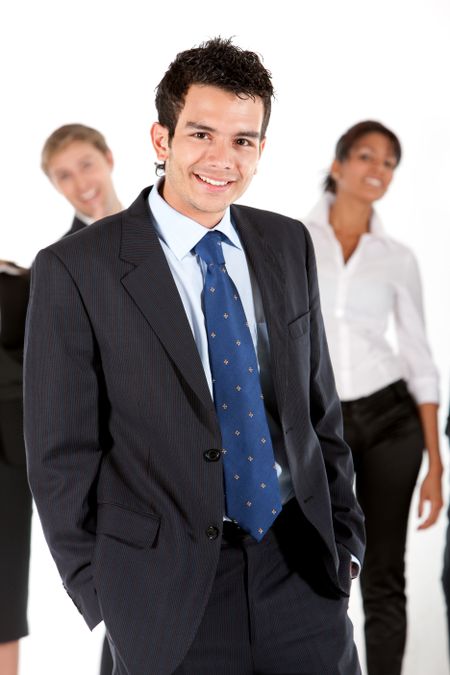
[[79, 164], [205, 513]]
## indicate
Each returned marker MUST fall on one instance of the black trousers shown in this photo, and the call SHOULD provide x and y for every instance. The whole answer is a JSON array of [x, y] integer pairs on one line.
[[385, 435], [265, 618]]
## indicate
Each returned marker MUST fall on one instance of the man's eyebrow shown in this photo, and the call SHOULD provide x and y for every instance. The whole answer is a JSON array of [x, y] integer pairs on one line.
[[249, 134], [204, 127], [199, 127]]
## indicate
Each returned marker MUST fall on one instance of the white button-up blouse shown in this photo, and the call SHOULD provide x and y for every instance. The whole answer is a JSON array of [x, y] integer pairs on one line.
[[359, 298]]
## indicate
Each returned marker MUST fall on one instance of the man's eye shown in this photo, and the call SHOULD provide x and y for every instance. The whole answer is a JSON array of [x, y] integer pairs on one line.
[[201, 135], [390, 164], [242, 141], [86, 165], [365, 156]]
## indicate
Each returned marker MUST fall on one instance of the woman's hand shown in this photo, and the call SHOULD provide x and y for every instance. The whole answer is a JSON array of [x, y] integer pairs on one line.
[[430, 491]]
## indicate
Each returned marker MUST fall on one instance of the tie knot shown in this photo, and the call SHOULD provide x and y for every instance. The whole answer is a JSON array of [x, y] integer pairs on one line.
[[209, 248]]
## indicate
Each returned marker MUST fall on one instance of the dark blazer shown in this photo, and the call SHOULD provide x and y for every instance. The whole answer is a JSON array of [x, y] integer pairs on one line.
[[119, 420], [14, 291]]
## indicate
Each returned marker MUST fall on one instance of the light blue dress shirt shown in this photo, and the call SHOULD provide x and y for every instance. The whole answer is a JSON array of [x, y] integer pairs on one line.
[[178, 235]]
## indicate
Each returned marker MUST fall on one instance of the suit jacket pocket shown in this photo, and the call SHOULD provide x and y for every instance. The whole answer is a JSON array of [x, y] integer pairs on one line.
[[131, 527], [299, 326]]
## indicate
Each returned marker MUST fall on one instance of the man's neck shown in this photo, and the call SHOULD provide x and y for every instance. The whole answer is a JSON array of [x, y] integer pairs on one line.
[[113, 206]]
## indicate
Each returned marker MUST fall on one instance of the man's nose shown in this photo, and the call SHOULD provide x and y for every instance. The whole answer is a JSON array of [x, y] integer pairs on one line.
[[82, 183], [220, 155]]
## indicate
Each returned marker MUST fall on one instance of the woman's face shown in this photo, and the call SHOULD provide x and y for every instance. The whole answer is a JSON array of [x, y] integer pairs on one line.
[[368, 170]]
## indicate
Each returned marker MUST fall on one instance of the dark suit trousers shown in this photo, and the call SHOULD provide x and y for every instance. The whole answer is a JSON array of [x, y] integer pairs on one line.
[[264, 618], [385, 435], [106, 665]]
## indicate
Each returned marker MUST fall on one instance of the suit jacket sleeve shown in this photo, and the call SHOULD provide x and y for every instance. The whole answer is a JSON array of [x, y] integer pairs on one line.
[[326, 417], [62, 425]]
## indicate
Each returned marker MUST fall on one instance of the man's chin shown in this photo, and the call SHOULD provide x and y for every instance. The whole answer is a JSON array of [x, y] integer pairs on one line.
[[92, 212], [214, 205]]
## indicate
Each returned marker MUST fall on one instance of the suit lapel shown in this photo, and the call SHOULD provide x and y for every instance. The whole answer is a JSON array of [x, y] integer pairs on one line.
[[272, 284], [151, 286]]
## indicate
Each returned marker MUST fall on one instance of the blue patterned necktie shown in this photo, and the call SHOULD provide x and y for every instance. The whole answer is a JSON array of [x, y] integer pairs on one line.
[[252, 491]]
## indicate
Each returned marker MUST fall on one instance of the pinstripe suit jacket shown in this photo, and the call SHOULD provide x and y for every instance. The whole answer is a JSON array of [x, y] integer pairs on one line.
[[118, 417]]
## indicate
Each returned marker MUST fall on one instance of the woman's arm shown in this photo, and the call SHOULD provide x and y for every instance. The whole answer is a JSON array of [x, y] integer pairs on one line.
[[422, 381], [431, 488]]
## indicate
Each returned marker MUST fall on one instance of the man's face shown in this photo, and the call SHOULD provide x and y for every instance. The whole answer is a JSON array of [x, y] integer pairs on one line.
[[213, 154], [83, 175]]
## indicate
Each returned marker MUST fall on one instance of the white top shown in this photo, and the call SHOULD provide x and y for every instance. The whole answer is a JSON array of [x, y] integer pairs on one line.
[[380, 281]]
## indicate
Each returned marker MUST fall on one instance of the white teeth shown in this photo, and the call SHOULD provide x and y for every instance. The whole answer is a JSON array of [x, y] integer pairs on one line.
[[90, 194], [376, 182], [217, 183]]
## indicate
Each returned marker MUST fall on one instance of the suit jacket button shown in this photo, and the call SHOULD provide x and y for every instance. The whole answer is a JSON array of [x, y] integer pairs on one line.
[[212, 455], [212, 532]]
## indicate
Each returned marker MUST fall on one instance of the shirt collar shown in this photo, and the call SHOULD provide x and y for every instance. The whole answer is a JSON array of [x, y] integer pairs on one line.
[[84, 219], [320, 216], [181, 233]]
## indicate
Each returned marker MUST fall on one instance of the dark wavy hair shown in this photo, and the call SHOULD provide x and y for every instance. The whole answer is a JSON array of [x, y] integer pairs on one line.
[[348, 140], [216, 63]]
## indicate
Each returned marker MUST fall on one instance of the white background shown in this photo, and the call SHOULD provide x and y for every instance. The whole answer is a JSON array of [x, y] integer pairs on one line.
[[333, 64]]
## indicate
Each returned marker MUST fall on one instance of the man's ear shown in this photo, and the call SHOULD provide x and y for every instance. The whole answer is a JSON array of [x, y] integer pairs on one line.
[[109, 159], [160, 140], [262, 145]]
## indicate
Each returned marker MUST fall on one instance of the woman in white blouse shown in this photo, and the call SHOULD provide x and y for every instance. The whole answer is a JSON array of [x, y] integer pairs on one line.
[[389, 397]]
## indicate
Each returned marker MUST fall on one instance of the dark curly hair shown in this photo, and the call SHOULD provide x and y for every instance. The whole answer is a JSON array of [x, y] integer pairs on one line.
[[348, 140], [216, 63]]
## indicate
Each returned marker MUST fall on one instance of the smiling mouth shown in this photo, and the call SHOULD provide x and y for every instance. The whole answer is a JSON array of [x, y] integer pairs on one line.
[[88, 195], [374, 182], [212, 181]]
